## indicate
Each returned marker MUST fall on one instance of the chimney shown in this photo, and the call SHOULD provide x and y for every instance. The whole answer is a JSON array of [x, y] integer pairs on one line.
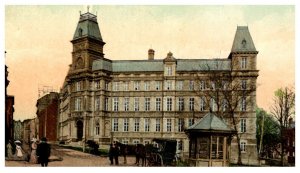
[[151, 54]]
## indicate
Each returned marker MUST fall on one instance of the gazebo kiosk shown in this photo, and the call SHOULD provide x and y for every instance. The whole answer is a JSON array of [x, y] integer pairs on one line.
[[210, 140]]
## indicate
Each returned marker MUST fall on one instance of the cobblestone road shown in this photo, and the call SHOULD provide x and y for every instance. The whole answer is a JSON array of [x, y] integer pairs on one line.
[[72, 158]]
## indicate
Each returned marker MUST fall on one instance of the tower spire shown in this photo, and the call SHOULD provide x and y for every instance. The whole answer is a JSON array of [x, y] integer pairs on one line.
[[88, 7]]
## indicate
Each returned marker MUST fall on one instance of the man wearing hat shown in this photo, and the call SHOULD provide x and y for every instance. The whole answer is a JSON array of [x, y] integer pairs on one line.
[[43, 152]]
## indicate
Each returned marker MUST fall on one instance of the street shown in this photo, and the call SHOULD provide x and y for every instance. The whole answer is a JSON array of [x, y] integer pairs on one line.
[[72, 158]]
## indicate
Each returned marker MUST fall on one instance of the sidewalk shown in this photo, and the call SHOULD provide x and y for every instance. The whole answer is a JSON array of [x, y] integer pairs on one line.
[[62, 157]]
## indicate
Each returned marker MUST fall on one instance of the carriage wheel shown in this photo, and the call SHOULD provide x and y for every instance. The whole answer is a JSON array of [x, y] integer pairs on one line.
[[157, 158]]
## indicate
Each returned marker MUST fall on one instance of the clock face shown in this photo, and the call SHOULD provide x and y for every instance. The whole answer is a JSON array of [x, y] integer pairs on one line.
[[79, 63]]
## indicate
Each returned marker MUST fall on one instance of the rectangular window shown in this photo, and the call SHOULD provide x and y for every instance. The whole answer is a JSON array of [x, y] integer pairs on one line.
[[169, 70], [147, 124], [78, 86], [169, 104], [115, 124], [169, 125], [243, 146], [157, 85], [180, 125], [244, 63], [157, 104], [97, 85], [136, 124], [115, 103], [244, 84], [168, 85], [213, 104], [180, 103], [243, 125], [224, 105], [191, 103], [116, 86], [191, 85], [125, 141], [202, 103], [202, 85], [77, 104], [147, 85], [106, 85], [136, 141], [213, 85], [97, 128], [179, 85], [136, 104], [126, 104], [126, 86], [125, 124], [243, 104], [97, 104], [136, 85], [157, 125], [191, 122], [224, 85], [106, 104], [147, 104], [180, 145]]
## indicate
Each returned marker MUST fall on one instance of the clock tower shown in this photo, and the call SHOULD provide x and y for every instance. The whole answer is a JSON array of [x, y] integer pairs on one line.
[[87, 43]]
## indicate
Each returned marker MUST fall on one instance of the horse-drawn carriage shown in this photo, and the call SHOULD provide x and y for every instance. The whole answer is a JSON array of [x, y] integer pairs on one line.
[[162, 155]]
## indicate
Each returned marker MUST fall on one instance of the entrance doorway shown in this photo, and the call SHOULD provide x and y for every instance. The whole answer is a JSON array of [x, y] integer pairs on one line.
[[79, 125]]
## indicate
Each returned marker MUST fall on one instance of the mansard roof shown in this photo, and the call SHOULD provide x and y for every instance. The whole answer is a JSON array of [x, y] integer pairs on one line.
[[87, 27], [210, 122], [158, 65], [243, 41]]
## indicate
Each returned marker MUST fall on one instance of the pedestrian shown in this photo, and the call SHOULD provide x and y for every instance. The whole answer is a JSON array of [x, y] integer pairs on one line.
[[9, 149], [110, 154], [19, 149], [116, 153], [33, 156], [43, 152]]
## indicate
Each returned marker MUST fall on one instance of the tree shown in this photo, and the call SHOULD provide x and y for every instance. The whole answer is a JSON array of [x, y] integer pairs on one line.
[[267, 133], [283, 109], [225, 93]]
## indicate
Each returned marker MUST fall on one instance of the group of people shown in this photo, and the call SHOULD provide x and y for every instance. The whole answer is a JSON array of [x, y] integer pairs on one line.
[[114, 153], [40, 151]]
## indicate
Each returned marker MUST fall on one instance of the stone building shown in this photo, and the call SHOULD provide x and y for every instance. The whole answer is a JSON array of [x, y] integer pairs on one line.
[[134, 101], [47, 113], [9, 112]]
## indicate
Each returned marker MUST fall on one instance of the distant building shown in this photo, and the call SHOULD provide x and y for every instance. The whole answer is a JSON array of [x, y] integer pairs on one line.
[[47, 112], [29, 130], [18, 130], [134, 101], [289, 136], [9, 112]]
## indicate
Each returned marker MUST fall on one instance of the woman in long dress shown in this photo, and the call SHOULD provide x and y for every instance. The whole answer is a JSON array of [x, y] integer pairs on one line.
[[33, 157], [19, 150]]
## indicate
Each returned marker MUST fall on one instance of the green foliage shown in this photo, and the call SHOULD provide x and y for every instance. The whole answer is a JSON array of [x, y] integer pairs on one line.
[[271, 132]]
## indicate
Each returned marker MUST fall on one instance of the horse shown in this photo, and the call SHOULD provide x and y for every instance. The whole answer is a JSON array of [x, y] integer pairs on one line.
[[138, 150]]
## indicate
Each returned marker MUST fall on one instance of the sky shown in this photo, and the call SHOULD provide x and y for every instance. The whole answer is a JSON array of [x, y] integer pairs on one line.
[[37, 41]]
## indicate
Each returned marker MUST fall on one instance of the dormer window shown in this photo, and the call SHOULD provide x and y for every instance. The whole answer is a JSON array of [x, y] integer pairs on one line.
[[80, 32], [244, 42]]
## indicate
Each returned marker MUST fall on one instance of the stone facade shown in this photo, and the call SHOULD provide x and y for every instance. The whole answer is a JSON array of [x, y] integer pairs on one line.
[[134, 101]]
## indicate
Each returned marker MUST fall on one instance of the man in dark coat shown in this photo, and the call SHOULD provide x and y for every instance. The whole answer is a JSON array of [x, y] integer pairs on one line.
[[110, 154], [43, 152]]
